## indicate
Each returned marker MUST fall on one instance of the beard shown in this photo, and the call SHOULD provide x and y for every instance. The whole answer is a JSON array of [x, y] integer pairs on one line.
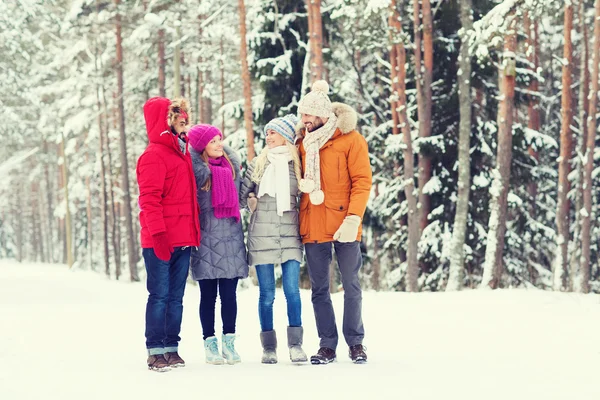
[[316, 125]]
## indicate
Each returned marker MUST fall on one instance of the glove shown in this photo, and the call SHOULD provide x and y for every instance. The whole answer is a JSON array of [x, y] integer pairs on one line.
[[252, 202], [162, 247], [348, 230]]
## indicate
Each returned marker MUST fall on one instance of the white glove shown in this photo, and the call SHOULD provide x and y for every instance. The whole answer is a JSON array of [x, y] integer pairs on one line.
[[348, 230], [252, 202]]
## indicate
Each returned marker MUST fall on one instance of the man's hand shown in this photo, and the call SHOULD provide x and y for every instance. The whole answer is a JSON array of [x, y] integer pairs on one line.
[[348, 230], [162, 247]]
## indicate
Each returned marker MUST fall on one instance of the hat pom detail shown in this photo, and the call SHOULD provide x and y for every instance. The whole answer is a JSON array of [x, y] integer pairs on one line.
[[306, 185], [317, 197], [321, 86]]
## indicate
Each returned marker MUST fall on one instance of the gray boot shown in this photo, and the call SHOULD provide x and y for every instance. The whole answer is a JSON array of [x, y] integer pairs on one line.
[[269, 344], [295, 334]]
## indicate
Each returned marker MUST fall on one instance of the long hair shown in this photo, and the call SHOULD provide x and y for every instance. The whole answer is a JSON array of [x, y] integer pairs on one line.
[[208, 184], [261, 163]]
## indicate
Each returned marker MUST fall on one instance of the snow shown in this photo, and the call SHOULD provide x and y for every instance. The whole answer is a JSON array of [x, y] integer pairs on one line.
[[75, 335]]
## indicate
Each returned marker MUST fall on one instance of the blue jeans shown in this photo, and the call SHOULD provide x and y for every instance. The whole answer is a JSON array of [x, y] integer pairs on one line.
[[227, 289], [166, 286], [290, 281]]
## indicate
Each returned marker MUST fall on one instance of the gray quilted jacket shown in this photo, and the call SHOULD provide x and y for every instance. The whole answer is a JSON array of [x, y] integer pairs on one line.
[[222, 253], [272, 239]]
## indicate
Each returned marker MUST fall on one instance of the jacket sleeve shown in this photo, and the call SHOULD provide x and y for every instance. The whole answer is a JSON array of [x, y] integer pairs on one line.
[[361, 176], [247, 185], [151, 172]]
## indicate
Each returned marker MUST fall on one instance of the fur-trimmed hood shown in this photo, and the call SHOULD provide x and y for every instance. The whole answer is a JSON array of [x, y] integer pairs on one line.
[[346, 123]]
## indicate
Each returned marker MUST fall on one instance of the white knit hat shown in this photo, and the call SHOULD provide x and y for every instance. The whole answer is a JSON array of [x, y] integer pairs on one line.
[[316, 102]]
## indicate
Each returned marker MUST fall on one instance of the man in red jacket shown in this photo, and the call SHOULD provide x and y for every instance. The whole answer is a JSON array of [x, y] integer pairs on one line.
[[170, 225]]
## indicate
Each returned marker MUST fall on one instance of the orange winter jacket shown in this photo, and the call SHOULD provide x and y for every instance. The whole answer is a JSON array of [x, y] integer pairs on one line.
[[346, 180]]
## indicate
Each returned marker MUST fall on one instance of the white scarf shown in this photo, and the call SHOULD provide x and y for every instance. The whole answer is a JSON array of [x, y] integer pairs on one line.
[[313, 142], [275, 181]]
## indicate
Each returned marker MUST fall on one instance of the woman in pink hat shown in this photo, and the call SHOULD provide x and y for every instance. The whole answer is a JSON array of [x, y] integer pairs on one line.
[[220, 260]]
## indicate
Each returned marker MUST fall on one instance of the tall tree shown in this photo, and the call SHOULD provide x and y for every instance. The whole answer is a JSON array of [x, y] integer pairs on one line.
[[580, 277], [177, 62], [162, 92], [315, 26], [564, 163], [533, 107], [68, 223], [493, 266], [459, 233], [423, 29], [246, 82], [398, 61], [131, 250], [589, 155]]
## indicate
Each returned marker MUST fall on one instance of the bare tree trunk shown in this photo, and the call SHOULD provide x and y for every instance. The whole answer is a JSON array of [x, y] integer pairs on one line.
[[533, 111], [18, 215], [425, 75], [222, 68], [104, 201], [399, 92], [589, 158], [459, 232], [177, 64], [313, 8], [208, 105], [68, 224], [111, 186], [492, 270], [246, 82], [564, 163], [161, 63], [131, 250], [88, 209], [49, 205], [578, 274]]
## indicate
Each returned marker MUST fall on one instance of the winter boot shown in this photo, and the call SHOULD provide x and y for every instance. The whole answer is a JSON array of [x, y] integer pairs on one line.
[[294, 335], [325, 355], [269, 344], [357, 354], [174, 360], [229, 353], [157, 362], [211, 350]]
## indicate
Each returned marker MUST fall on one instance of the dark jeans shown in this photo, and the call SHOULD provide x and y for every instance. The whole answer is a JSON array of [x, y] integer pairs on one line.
[[290, 281], [166, 286], [349, 259], [208, 297]]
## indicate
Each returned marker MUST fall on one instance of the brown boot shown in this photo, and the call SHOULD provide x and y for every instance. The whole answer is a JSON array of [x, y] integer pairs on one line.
[[357, 354], [157, 362], [174, 360]]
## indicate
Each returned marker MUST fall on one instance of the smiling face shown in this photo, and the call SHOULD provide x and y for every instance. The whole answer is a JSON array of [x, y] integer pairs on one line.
[[312, 122], [214, 148], [274, 139]]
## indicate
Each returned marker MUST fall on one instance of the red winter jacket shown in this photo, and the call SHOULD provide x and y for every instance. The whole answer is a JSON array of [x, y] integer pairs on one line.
[[166, 180]]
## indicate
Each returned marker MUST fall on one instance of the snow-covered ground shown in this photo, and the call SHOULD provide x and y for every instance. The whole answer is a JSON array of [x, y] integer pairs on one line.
[[75, 335]]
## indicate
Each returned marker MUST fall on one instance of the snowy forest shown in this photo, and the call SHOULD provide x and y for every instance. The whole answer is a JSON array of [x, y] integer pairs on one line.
[[481, 118]]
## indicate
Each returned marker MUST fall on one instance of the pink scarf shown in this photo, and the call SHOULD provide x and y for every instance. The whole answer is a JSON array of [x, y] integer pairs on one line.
[[224, 193]]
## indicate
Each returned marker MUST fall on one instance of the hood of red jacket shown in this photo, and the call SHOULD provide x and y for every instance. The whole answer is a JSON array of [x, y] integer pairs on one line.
[[156, 112]]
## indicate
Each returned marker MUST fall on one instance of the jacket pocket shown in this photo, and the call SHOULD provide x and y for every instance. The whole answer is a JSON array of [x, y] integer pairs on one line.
[[176, 210], [304, 215], [336, 210]]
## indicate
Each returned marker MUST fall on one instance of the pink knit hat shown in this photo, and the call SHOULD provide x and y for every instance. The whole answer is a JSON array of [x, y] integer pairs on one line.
[[200, 135]]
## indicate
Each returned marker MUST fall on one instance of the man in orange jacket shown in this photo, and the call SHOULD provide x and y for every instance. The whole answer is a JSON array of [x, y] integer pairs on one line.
[[336, 185]]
